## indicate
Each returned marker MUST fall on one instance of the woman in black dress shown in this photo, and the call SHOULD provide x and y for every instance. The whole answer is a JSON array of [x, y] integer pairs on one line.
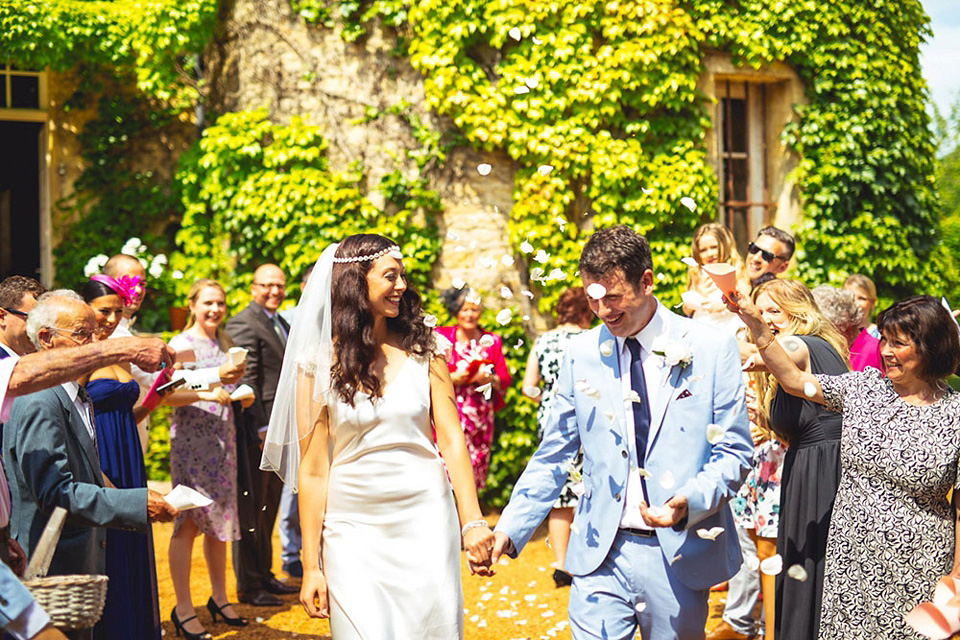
[[811, 469]]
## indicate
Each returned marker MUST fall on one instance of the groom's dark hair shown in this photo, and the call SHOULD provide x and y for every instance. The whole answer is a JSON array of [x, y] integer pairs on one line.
[[616, 247]]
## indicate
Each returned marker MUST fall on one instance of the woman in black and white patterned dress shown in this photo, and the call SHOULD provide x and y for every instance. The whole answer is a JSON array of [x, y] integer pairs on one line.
[[893, 531], [543, 366]]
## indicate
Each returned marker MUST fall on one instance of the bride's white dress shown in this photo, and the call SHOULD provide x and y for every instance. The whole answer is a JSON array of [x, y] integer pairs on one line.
[[391, 537]]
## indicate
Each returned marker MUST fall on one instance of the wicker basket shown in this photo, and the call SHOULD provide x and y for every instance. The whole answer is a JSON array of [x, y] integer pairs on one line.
[[72, 601]]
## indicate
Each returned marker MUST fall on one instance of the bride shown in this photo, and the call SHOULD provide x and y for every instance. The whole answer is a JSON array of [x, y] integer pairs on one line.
[[362, 380]]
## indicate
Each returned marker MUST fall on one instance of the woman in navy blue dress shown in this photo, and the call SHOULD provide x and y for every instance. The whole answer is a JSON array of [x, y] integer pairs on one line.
[[131, 610]]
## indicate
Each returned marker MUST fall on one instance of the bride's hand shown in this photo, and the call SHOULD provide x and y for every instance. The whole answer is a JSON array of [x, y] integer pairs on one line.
[[313, 594], [478, 545]]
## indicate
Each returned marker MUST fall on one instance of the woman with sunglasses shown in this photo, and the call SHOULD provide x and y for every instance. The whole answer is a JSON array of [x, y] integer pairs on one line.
[[131, 609]]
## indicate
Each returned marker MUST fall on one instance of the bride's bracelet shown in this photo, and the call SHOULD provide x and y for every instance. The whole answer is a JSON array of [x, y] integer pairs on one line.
[[473, 524]]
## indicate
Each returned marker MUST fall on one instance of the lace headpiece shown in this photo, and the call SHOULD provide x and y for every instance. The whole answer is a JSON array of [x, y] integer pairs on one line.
[[393, 251]]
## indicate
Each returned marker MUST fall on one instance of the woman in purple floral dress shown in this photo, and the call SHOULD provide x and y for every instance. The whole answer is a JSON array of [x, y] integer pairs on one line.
[[479, 373], [203, 456]]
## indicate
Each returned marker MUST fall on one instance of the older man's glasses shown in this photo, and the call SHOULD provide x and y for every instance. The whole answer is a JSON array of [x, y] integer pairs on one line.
[[279, 286], [766, 255], [16, 312], [79, 336]]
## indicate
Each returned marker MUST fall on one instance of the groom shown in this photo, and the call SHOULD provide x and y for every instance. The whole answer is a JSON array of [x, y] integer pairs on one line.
[[656, 402]]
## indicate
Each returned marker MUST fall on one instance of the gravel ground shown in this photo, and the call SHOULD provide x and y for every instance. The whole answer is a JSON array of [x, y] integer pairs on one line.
[[521, 601]]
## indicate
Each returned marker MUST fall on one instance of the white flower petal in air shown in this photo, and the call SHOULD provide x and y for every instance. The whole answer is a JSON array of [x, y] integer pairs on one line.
[[596, 290], [527, 293], [507, 260], [430, 320], [486, 390], [518, 344], [532, 392], [772, 565], [545, 169], [532, 82], [458, 283], [537, 40], [557, 274], [667, 481], [536, 273], [474, 298], [753, 563], [484, 169], [809, 389], [515, 33], [646, 191], [644, 473], [504, 316], [505, 292], [641, 607], [797, 572], [526, 247], [541, 256], [606, 348], [710, 534], [690, 262], [715, 433], [486, 262], [632, 396], [453, 236], [610, 415], [486, 340], [521, 89], [688, 203]]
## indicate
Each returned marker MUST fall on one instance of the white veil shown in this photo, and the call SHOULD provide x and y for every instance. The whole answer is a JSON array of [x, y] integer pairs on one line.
[[304, 385]]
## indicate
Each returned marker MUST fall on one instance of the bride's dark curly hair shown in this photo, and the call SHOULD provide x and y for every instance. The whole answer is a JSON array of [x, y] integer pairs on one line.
[[355, 347]]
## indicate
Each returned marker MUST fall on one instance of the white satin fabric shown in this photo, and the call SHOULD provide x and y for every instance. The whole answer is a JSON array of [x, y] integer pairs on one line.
[[391, 537]]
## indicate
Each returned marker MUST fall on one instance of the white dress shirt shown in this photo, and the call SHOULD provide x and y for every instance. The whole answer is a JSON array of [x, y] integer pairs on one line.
[[653, 372]]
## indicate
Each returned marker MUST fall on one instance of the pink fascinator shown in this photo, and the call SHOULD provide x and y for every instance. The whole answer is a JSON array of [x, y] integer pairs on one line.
[[129, 288]]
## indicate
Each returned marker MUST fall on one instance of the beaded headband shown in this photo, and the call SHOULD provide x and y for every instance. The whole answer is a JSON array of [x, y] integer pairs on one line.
[[393, 251]]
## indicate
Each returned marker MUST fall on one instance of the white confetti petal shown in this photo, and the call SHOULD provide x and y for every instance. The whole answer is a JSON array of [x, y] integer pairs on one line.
[[688, 203], [521, 89], [532, 392], [504, 316], [474, 298], [507, 260], [797, 572], [545, 169], [537, 40], [486, 263], [596, 290], [557, 274], [644, 473], [505, 292], [430, 320], [606, 348], [527, 293], [541, 256], [486, 390], [515, 33], [690, 262], [809, 389], [518, 343], [458, 283], [667, 481], [484, 169], [486, 340], [532, 82], [646, 191], [710, 534], [632, 396], [610, 415], [526, 247], [453, 236], [641, 607], [715, 433], [772, 565], [536, 273]]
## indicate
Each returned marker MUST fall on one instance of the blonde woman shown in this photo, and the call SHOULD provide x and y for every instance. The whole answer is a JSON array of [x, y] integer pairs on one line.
[[811, 467], [712, 243]]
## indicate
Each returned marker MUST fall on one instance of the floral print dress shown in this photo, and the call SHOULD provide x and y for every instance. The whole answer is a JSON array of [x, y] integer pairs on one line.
[[203, 450]]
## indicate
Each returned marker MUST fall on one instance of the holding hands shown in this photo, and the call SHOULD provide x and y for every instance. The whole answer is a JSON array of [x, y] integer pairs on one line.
[[478, 543]]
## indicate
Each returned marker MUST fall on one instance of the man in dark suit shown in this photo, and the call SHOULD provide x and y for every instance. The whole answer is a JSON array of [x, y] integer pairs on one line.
[[263, 333], [50, 452]]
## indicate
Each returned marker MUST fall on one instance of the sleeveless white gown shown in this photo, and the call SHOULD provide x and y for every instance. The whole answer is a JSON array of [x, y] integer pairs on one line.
[[391, 536]]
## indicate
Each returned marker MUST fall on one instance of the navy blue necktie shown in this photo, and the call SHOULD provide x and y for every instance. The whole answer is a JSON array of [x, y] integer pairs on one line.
[[641, 410]]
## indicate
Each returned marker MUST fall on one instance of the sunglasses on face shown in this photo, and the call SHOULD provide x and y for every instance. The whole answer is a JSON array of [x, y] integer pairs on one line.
[[16, 312], [766, 255]]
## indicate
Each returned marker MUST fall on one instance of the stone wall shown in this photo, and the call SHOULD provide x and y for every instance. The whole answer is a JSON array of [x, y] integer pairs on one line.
[[266, 56]]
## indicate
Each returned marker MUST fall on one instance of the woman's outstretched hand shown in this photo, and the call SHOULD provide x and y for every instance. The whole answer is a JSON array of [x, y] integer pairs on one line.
[[745, 309], [313, 594], [478, 545]]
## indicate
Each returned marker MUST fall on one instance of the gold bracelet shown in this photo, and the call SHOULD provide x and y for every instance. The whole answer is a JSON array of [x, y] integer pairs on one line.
[[769, 342]]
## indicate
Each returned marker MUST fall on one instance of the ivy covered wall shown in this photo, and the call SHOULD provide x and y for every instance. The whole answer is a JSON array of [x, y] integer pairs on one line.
[[588, 110]]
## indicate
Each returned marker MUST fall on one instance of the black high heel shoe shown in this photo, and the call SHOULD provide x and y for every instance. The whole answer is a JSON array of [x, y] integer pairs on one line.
[[178, 626], [216, 610]]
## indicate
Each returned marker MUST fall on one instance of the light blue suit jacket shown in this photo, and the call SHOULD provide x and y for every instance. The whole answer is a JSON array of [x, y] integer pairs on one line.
[[708, 390], [14, 597]]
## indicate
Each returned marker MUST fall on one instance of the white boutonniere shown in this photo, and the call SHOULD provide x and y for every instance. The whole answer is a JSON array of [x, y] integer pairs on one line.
[[673, 353]]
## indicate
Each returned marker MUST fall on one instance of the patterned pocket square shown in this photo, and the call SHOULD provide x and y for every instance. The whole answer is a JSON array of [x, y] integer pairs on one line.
[[684, 394]]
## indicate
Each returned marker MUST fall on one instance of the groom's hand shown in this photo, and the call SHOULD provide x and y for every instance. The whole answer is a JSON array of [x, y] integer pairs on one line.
[[501, 545], [674, 511]]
